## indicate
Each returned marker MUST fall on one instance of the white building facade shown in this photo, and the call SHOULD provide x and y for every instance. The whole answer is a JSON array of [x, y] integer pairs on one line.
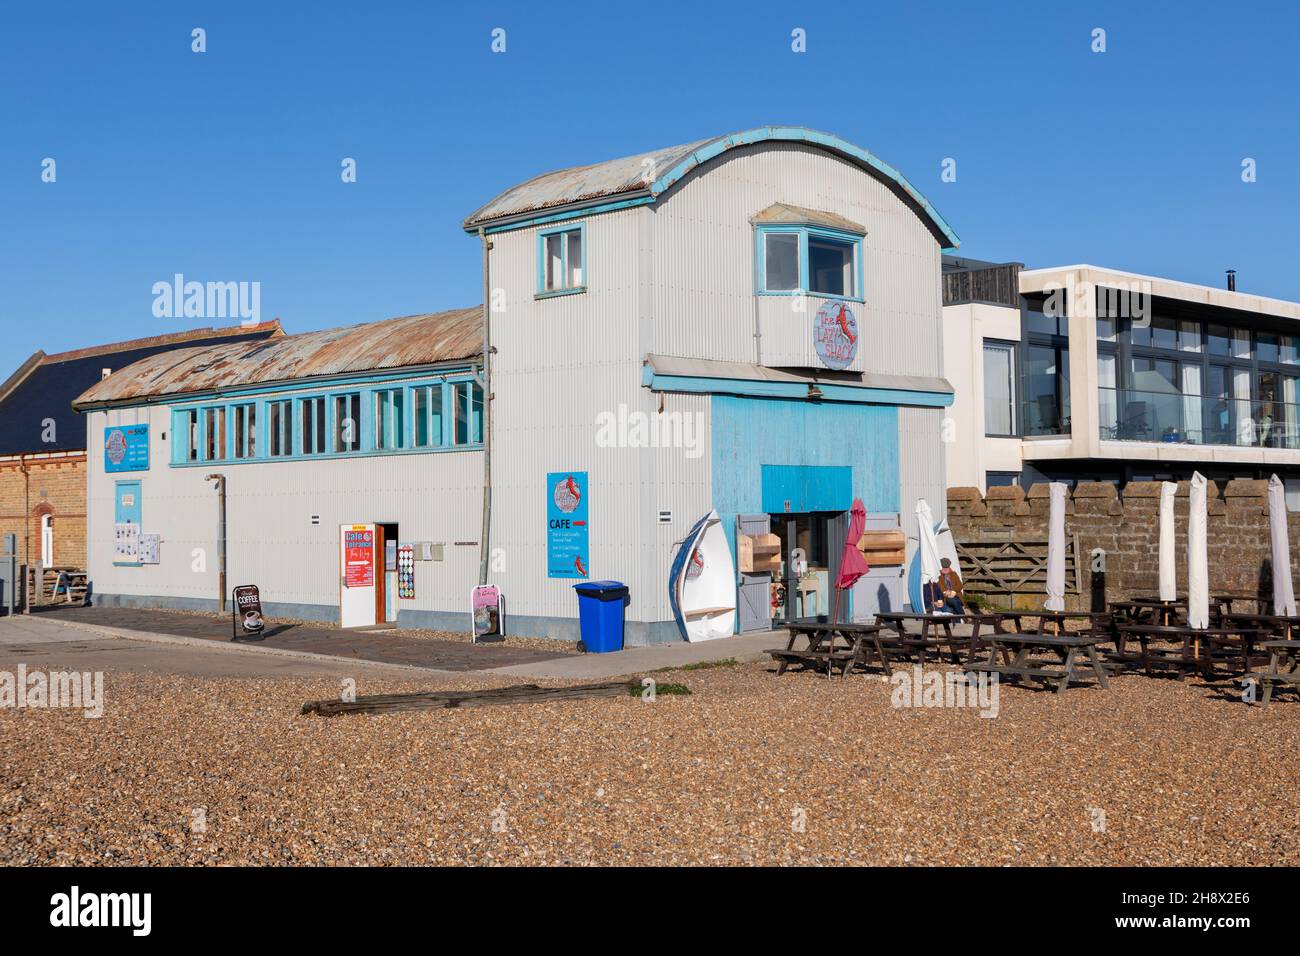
[[750, 324]]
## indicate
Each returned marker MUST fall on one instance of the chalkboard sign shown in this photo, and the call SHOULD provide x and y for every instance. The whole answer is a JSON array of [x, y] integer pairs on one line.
[[247, 611]]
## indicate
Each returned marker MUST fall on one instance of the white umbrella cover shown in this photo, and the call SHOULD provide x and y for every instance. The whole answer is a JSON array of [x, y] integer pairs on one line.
[[1280, 546], [1168, 576], [1056, 548], [927, 542], [1198, 577]]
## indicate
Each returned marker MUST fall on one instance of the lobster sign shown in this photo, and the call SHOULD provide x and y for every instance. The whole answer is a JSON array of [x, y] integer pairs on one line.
[[835, 335]]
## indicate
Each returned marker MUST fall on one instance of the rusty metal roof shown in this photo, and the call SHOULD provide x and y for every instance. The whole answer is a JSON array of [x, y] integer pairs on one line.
[[787, 214], [409, 341], [583, 183], [643, 178]]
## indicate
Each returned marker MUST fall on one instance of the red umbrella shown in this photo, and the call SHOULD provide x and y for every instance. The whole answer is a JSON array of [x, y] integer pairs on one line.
[[852, 564]]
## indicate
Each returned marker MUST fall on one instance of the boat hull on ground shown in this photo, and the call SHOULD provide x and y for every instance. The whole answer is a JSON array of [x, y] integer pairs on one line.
[[702, 583]]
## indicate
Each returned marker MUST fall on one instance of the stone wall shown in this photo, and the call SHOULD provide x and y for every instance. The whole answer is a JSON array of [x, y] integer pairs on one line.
[[1125, 526]]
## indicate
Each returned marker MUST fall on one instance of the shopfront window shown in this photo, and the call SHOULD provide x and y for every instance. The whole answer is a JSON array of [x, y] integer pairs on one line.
[[214, 434], [245, 431], [279, 425]]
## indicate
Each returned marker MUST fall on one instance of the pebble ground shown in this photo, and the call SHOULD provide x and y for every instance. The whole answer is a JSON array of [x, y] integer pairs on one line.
[[750, 768]]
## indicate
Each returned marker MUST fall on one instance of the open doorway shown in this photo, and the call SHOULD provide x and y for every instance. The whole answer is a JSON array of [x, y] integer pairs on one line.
[[806, 582], [386, 572]]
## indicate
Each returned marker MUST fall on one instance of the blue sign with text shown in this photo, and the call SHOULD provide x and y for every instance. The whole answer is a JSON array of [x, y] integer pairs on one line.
[[126, 448], [566, 525]]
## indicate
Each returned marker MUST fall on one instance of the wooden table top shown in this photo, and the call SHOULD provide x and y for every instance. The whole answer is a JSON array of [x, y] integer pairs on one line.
[[1046, 640], [842, 626], [1281, 645], [1174, 630]]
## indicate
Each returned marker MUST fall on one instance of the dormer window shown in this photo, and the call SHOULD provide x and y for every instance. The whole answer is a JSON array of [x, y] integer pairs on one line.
[[561, 260], [805, 250]]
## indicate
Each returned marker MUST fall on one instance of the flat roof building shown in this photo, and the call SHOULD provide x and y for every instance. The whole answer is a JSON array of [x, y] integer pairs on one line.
[[1082, 373]]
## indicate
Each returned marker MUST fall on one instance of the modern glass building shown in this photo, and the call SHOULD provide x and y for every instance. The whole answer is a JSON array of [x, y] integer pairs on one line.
[[1083, 373]]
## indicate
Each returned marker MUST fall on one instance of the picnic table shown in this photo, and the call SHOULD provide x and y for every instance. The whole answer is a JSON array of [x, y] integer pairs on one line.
[[1283, 668], [1047, 657], [861, 642], [1057, 621], [1150, 609], [1281, 625], [1220, 643], [928, 636]]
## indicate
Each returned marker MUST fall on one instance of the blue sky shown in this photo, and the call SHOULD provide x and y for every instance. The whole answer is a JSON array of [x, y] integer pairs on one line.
[[225, 165]]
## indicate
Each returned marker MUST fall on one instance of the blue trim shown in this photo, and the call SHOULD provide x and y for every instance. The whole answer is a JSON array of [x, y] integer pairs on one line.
[[851, 394], [542, 235], [799, 134], [566, 216], [718, 146]]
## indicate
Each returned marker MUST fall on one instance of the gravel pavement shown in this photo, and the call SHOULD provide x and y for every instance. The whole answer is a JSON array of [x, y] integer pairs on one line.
[[750, 768]]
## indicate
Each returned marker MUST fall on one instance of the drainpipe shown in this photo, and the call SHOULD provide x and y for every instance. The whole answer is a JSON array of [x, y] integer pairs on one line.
[[27, 534], [220, 481], [487, 412]]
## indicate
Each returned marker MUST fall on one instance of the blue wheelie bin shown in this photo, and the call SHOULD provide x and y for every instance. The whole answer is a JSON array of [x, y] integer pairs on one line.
[[600, 615]]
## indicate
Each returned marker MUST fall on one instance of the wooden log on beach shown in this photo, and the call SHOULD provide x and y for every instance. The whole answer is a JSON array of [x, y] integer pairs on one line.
[[442, 699]]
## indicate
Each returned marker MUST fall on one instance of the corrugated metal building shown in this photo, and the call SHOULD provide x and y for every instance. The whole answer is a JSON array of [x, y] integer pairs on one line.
[[749, 323]]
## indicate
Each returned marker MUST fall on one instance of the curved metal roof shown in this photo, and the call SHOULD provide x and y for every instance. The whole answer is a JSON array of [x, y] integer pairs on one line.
[[629, 178], [413, 340]]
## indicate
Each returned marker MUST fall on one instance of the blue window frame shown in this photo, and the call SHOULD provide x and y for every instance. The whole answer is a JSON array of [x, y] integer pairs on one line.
[[792, 259], [384, 418], [311, 415], [562, 260], [390, 419]]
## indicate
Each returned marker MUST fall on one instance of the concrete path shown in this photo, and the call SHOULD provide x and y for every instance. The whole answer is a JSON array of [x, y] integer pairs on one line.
[[43, 643], [59, 640], [383, 646]]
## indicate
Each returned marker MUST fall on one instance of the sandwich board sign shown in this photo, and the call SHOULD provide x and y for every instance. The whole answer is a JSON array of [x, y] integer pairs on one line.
[[247, 611], [485, 607]]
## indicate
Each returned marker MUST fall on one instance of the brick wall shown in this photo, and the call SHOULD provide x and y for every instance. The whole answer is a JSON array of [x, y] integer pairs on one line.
[[1126, 527], [54, 485]]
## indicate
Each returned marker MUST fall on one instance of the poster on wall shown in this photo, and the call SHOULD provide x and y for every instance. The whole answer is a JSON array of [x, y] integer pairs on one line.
[[485, 607], [835, 335], [406, 572], [126, 541], [126, 448], [149, 545], [566, 525], [358, 557]]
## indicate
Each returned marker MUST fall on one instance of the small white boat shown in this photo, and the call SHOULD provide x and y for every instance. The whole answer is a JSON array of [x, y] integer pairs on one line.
[[702, 583]]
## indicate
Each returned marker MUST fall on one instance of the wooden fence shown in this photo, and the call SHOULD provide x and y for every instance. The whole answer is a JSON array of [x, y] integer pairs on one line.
[[1001, 568]]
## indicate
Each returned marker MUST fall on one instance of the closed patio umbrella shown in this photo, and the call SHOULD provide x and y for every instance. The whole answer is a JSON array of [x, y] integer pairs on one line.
[[927, 550], [1168, 577], [1056, 548], [852, 564], [1198, 576], [1280, 547]]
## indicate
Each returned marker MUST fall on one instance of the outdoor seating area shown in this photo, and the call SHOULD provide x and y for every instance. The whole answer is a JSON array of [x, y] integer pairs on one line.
[[1247, 641]]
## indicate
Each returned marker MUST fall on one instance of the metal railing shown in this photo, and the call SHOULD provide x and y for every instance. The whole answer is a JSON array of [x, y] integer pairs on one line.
[[1171, 417]]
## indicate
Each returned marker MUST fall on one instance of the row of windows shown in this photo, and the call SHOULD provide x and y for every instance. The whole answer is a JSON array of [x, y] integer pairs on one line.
[[426, 416], [789, 259]]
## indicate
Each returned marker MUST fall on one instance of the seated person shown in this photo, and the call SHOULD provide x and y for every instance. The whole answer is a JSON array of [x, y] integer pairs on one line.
[[944, 595]]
